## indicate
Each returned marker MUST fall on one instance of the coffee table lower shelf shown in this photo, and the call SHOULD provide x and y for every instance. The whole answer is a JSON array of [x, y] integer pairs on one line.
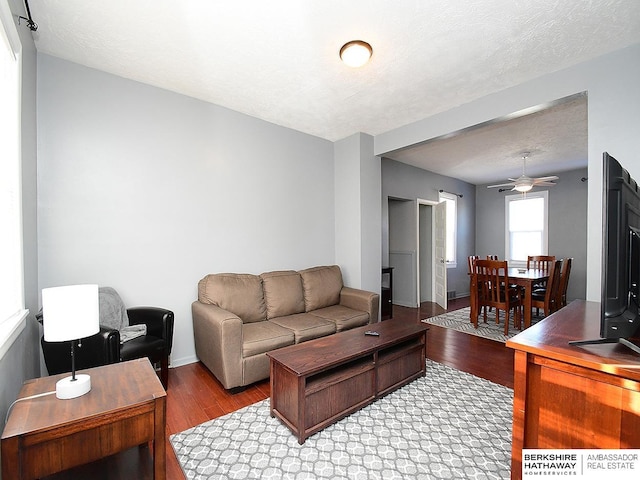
[[341, 374]]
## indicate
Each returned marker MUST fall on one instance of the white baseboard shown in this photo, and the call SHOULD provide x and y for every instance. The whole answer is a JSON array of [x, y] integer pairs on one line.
[[403, 304], [179, 362]]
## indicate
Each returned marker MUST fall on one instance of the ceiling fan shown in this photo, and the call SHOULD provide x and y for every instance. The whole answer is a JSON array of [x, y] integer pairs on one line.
[[525, 183]]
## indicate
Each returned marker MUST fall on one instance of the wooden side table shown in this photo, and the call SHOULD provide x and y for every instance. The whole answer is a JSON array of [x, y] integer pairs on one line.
[[126, 407]]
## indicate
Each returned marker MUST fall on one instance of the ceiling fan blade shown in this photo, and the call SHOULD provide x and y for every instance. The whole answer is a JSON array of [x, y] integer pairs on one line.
[[544, 184], [502, 185], [545, 179]]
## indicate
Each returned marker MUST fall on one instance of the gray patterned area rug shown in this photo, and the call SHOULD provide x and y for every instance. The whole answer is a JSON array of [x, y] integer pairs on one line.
[[459, 320], [447, 425]]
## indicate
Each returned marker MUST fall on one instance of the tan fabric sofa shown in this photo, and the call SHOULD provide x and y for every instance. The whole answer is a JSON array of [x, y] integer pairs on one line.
[[239, 317]]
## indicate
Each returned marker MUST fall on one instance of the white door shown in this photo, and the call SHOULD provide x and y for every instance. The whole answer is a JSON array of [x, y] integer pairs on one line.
[[440, 264]]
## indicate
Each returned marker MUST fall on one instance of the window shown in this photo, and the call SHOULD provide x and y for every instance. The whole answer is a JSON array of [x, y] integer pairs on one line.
[[12, 312], [451, 202], [526, 226]]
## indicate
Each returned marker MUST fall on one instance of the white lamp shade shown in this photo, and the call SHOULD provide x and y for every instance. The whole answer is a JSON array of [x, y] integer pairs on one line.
[[70, 313]]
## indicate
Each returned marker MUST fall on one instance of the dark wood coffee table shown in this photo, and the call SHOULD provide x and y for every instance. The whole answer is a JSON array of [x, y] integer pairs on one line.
[[125, 408], [316, 383]]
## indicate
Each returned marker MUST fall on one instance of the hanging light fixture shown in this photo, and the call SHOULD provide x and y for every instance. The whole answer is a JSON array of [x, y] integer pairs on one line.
[[524, 182], [356, 53]]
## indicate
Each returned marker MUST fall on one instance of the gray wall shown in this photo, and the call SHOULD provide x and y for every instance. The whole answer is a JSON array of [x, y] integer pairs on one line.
[[611, 83], [148, 191], [357, 211], [21, 362], [567, 225], [400, 181]]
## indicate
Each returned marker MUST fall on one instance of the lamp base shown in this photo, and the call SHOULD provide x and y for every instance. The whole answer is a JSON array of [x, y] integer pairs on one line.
[[68, 388]]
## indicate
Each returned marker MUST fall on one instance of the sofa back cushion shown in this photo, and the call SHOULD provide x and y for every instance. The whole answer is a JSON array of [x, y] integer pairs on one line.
[[321, 286], [283, 293], [238, 293]]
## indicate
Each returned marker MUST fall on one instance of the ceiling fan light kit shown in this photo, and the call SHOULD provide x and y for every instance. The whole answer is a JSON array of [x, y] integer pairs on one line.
[[523, 188], [524, 183]]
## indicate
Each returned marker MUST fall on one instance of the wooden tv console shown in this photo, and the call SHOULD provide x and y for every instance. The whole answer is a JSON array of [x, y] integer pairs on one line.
[[316, 383], [573, 396]]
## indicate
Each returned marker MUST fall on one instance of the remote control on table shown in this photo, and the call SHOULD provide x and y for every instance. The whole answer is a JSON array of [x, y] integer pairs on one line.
[[372, 333]]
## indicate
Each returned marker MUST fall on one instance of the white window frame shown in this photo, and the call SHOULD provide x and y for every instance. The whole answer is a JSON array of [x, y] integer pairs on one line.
[[12, 325], [452, 228], [544, 194]]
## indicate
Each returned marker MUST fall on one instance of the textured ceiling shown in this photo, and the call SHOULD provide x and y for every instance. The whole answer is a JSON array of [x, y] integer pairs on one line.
[[278, 60], [554, 139]]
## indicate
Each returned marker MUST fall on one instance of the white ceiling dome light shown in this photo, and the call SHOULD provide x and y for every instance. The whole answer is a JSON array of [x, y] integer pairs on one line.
[[356, 53]]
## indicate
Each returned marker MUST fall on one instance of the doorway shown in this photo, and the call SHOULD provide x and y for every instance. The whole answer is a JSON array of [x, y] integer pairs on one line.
[[425, 253], [412, 253], [431, 281], [402, 251]]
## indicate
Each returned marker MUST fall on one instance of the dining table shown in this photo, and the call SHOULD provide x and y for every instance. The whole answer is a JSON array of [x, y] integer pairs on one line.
[[525, 277]]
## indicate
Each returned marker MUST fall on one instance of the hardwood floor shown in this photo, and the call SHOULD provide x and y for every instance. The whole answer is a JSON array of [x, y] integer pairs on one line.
[[195, 396]]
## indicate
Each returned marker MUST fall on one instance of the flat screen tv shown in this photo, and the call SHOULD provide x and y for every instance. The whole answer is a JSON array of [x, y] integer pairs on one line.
[[620, 315]]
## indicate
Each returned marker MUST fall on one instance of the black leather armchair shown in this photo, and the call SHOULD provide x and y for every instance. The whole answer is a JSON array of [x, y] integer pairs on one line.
[[104, 348], [156, 344]]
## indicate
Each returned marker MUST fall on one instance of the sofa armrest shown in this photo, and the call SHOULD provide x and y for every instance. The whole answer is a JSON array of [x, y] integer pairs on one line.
[[159, 322], [218, 338], [361, 300]]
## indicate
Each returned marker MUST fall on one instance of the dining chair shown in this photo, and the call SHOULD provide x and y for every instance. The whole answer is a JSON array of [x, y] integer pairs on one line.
[[540, 262], [495, 290], [561, 297], [492, 257], [470, 261], [545, 298]]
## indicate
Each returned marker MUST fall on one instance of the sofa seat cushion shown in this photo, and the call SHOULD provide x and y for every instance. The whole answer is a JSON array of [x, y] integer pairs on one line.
[[344, 317], [322, 286], [261, 337], [283, 293], [238, 293], [306, 326]]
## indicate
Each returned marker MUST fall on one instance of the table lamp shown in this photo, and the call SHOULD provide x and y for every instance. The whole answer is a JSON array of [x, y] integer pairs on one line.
[[71, 313]]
